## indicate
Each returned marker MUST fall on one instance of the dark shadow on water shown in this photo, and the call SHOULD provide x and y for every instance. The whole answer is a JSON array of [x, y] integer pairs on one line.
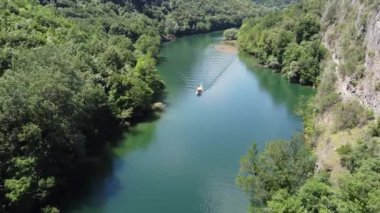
[[280, 89], [161, 60], [145, 118], [94, 181]]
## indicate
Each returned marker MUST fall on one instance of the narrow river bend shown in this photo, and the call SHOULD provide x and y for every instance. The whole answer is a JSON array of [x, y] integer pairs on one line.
[[187, 161]]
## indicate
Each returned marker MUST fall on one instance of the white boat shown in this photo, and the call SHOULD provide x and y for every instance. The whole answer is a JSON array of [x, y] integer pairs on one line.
[[199, 90]]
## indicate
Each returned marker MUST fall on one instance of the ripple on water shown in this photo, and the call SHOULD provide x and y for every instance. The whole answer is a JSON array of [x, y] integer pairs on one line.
[[207, 72]]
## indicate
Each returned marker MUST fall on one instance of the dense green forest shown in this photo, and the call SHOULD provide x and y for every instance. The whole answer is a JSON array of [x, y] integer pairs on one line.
[[288, 41], [75, 72], [65, 84], [177, 17], [181, 17]]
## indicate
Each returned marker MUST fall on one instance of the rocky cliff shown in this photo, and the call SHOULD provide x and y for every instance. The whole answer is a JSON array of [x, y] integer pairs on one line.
[[348, 96], [351, 31]]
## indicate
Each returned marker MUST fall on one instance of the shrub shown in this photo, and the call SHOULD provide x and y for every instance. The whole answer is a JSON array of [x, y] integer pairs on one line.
[[282, 165], [375, 129], [230, 34], [350, 115], [326, 96]]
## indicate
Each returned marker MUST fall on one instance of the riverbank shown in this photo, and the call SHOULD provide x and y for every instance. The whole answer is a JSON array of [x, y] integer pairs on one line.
[[229, 47], [187, 160]]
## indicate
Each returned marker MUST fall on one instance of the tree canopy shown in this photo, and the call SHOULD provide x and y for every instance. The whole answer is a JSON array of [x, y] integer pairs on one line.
[[281, 179], [68, 71], [288, 40], [284, 165]]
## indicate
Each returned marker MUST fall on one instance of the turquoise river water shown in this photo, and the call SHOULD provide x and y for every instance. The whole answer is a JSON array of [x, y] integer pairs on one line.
[[187, 161]]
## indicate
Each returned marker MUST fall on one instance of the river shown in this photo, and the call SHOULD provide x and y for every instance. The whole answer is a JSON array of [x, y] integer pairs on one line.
[[187, 161]]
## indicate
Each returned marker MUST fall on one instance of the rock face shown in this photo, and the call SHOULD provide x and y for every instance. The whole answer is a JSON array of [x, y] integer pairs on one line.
[[362, 20], [351, 33], [371, 82]]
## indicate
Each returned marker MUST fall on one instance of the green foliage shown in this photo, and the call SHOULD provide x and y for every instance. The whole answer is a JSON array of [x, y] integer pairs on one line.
[[50, 209], [288, 40], [326, 96], [282, 201], [301, 62], [350, 115], [181, 17], [314, 196], [201, 16], [317, 196], [308, 114], [148, 45], [70, 68], [331, 13], [354, 157], [230, 34], [375, 129], [46, 109], [350, 40], [307, 27], [17, 189], [359, 191], [282, 165], [67, 71]]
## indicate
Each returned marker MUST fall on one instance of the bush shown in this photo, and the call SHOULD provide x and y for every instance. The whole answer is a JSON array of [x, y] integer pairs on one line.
[[326, 95], [314, 196], [375, 129], [350, 115], [231, 34], [282, 165]]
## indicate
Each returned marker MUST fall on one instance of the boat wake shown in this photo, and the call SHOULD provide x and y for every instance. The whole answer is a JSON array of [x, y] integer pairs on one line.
[[208, 70]]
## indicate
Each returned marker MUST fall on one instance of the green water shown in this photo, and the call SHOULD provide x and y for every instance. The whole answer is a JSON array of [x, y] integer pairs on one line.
[[187, 161]]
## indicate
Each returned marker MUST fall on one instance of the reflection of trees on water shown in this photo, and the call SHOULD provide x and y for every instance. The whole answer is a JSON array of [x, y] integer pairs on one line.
[[97, 178], [280, 89], [137, 138], [183, 53]]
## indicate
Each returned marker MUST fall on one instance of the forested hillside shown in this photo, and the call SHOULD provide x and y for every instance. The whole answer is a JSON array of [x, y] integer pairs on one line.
[[288, 41], [340, 122], [73, 73], [65, 83], [181, 17], [176, 17]]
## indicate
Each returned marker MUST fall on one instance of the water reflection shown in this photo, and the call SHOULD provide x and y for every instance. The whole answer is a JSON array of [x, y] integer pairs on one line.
[[187, 161], [281, 90]]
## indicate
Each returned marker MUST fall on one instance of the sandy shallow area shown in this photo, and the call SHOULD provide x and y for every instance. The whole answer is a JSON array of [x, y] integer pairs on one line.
[[227, 47]]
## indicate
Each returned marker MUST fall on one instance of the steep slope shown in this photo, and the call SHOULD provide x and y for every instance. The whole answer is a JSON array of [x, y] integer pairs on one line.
[[349, 95], [352, 34], [340, 123]]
